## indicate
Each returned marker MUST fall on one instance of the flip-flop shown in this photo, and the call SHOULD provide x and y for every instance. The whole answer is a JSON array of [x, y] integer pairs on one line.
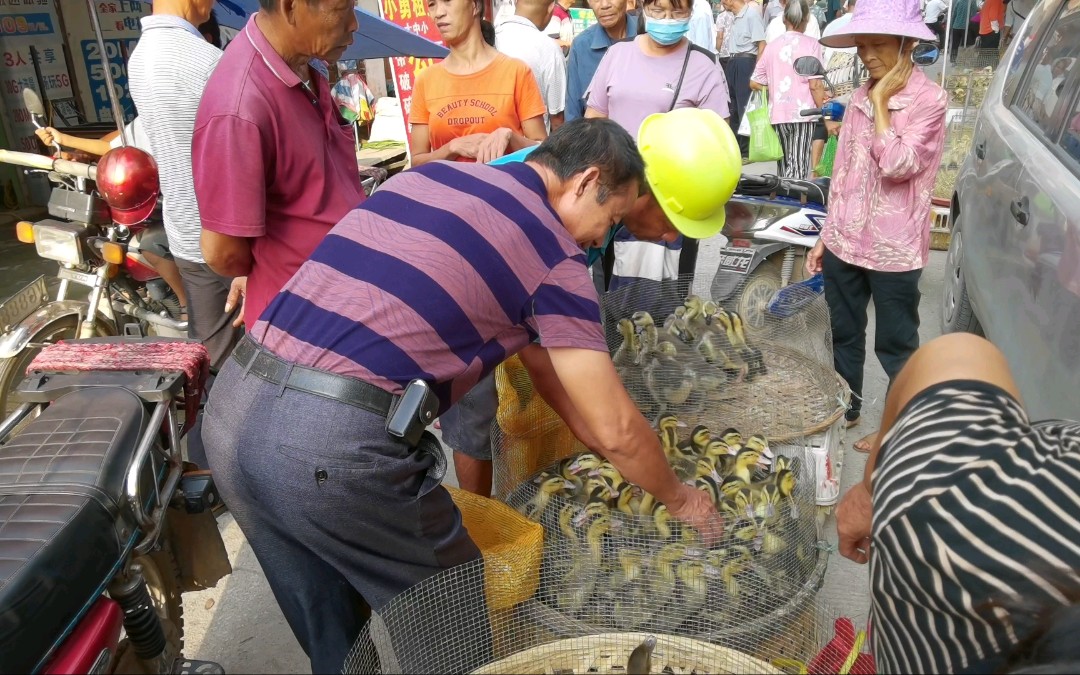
[[850, 423], [867, 442]]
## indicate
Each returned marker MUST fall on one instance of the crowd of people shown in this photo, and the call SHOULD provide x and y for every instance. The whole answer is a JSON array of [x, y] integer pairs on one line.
[[536, 155]]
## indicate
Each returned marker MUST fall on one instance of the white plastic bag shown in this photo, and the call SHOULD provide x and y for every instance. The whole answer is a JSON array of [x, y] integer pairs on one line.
[[753, 104]]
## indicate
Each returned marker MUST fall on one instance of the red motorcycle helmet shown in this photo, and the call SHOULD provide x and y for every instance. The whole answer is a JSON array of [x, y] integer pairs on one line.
[[127, 178]]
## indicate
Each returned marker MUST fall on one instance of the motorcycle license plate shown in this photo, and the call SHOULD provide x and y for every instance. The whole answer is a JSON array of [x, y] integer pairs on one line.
[[23, 304], [736, 260], [77, 276]]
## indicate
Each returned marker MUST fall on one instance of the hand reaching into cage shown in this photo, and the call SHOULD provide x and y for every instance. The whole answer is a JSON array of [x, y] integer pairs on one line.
[[696, 509]]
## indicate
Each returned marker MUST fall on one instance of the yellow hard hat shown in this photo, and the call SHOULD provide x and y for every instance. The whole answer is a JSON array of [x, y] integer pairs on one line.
[[692, 164]]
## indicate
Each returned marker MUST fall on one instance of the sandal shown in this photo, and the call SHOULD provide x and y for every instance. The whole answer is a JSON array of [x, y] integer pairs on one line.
[[866, 443]]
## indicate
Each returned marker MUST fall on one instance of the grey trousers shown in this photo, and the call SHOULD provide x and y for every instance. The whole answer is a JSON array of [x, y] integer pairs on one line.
[[208, 323], [340, 516]]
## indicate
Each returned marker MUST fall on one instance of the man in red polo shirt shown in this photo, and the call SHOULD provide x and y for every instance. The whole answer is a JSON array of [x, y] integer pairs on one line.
[[274, 163]]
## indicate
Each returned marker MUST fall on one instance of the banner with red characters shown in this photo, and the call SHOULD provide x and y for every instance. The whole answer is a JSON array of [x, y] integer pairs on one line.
[[411, 15]]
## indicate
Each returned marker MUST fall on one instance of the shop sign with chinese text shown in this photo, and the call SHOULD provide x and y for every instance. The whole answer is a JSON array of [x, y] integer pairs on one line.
[[120, 29], [411, 15], [28, 29]]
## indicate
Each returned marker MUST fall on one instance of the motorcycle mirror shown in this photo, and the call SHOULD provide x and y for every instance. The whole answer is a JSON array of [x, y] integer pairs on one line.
[[33, 102], [809, 66], [924, 54]]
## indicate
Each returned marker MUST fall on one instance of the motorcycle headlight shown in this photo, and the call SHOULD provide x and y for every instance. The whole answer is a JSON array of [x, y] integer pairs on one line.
[[59, 241]]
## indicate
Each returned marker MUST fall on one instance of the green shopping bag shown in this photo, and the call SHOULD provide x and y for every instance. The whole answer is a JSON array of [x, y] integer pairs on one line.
[[764, 143], [825, 166]]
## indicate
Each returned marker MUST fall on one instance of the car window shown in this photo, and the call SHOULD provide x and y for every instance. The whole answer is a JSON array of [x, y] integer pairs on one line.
[[1043, 13], [1070, 139], [1055, 60]]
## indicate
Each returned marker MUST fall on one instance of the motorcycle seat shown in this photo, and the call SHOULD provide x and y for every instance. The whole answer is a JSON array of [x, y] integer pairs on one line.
[[57, 550], [816, 190], [82, 443], [64, 522]]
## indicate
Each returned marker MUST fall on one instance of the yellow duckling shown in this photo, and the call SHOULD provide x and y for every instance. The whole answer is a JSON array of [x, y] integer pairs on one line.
[[668, 430], [550, 485], [697, 443], [628, 351], [662, 582], [684, 533]]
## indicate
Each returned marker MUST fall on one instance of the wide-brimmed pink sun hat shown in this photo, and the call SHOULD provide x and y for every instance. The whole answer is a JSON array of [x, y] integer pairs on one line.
[[902, 18]]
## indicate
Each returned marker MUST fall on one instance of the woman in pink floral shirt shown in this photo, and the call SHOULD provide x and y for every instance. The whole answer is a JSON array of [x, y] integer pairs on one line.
[[789, 94], [876, 239]]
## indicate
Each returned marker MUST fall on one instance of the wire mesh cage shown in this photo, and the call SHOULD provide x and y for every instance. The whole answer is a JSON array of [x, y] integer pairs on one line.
[[595, 521], [443, 626], [959, 131]]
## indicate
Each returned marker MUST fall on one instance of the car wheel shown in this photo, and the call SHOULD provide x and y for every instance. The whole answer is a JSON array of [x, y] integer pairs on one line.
[[957, 315]]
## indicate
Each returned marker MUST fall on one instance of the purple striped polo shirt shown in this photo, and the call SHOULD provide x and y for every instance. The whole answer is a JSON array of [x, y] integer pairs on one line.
[[444, 272]]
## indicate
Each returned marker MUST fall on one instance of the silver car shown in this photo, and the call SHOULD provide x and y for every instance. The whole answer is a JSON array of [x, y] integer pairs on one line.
[[1013, 270]]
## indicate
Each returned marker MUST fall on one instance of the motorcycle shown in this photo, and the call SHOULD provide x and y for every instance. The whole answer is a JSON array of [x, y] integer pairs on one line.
[[126, 294], [771, 224], [104, 525]]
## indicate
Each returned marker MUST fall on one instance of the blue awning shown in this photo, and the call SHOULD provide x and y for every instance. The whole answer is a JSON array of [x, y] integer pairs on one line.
[[376, 38]]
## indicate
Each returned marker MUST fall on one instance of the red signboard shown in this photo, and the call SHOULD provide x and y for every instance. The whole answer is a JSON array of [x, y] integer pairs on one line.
[[412, 16]]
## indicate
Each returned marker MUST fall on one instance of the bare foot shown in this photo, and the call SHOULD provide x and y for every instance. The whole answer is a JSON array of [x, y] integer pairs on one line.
[[866, 443]]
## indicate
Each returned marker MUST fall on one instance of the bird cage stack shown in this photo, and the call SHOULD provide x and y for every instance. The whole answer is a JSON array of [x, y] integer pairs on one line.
[[443, 626], [743, 398]]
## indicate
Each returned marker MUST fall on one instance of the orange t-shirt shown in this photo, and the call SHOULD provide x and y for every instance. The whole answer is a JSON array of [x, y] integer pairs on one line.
[[502, 94], [992, 10]]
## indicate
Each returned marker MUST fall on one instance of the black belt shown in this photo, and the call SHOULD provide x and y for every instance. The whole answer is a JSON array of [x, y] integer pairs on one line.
[[265, 365], [744, 55]]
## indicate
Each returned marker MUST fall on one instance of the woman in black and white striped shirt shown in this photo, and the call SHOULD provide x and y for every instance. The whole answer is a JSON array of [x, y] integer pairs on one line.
[[974, 508]]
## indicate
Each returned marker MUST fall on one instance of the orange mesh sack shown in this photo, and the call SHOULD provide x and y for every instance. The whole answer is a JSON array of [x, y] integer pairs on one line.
[[528, 434], [512, 546]]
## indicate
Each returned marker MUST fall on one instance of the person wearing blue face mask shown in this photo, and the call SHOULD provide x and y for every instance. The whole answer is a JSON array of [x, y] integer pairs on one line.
[[654, 73]]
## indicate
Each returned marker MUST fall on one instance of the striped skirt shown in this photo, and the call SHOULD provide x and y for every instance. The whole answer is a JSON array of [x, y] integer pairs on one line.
[[796, 139]]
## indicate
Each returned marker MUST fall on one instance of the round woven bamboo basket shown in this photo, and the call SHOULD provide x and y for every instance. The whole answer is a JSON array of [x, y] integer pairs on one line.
[[609, 653]]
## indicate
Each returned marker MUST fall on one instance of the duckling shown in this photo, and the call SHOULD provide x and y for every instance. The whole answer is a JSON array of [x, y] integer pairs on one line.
[[549, 485], [595, 505], [662, 522], [662, 582], [717, 449], [695, 587], [697, 442], [678, 313], [629, 588], [562, 468], [694, 306], [709, 310], [758, 442], [628, 351], [771, 544], [737, 355], [628, 500], [715, 349], [732, 484], [647, 505], [710, 486], [640, 662], [739, 503], [702, 468], [669, 382], [746, 460], [585, 462], [579, 583], [737, 562], [754, 358], [645, 325], [607, 471], [668, 427], [733, 439], [778, 487]]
